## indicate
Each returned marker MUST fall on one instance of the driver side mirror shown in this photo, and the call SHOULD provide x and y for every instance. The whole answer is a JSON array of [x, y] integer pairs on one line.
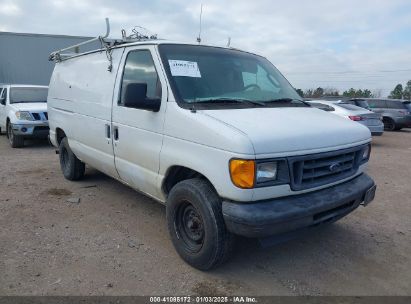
[[3, 101], [136, 97]]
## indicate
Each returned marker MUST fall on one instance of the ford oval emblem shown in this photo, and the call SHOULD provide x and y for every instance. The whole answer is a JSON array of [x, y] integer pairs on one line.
[[334, 167]]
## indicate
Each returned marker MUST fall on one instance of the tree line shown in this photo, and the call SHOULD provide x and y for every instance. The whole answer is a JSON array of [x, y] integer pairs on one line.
[[399, 92]]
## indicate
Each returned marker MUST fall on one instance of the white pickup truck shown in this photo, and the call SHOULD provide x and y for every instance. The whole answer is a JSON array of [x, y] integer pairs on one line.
[[23, 113], [216, 134]]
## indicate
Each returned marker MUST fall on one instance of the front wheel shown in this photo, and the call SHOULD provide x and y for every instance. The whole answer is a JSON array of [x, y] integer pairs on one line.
[[72, 168], [196, 225], [14, 140]]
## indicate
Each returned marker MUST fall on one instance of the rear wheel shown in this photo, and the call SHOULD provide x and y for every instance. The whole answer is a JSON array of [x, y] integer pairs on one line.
[[389, 124], [14, 140], [196, 225], [72, 168]]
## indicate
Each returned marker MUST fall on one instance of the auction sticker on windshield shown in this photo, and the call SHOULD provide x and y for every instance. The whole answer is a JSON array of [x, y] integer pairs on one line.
[[184, 68]]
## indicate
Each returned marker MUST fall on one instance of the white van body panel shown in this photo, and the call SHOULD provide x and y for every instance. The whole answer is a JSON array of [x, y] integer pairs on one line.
[[279, 130], [80, 102], [222, 135], [137, 151], [83, 100]]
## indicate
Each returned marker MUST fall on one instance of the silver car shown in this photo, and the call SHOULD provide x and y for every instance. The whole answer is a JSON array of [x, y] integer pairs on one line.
[[396, 115], [371, 120]]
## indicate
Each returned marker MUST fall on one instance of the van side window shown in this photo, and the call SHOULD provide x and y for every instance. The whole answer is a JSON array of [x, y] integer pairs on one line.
[[395, 104], [377, 104], [139, 68]]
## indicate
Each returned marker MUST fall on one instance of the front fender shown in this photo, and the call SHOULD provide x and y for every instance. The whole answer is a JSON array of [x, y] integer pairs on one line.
[[212, 163]]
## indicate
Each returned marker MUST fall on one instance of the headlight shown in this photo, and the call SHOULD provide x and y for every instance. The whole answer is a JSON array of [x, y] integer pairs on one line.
[[266, 172], [248, 174], [366, 152], [22, 115]]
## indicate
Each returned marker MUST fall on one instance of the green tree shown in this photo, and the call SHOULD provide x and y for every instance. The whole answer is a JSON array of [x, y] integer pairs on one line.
[[407, 91], [398, 92], [319, 92], [331, 92], [350, 93], [357, 93], [300, 92], [308, 93], [366, 93]]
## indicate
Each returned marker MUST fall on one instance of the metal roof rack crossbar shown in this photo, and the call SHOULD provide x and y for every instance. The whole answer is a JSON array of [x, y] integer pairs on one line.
[[58, 56]]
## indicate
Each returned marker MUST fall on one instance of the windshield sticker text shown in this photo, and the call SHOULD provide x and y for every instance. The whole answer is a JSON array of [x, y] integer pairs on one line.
[[184, 68]]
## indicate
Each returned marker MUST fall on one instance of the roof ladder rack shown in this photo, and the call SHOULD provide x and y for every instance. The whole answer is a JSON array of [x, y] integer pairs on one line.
[[57, 56]]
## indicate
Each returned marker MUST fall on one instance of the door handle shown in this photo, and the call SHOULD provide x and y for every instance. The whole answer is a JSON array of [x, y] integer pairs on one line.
[[108, 131], [115, 133]]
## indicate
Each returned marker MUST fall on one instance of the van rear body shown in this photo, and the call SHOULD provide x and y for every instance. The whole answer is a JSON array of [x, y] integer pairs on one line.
[[217, 135]]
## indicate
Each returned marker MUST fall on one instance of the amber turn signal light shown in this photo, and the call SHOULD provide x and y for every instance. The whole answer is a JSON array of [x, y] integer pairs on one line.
[[242, 173]]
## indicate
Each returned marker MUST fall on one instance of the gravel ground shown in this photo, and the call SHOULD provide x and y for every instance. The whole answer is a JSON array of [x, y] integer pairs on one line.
[[115, 242]]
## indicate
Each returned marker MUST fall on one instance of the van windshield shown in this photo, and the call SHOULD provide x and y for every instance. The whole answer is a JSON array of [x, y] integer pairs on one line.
[[26, 95], [214, 76]]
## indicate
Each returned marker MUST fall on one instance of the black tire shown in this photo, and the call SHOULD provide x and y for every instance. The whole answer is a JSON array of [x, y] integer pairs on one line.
[[196, 225], [73, 169], [389, 124], [14, 140]]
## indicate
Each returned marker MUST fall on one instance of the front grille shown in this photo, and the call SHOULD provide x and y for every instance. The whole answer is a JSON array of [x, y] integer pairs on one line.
[[40, 116], [315, 170], [41, 128], [36, 116]]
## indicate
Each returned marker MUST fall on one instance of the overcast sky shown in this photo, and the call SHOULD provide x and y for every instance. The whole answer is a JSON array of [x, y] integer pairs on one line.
[[328, 43]]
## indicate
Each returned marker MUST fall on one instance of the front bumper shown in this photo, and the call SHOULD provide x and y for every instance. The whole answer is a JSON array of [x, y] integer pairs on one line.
[[39, 130], [292, 213]]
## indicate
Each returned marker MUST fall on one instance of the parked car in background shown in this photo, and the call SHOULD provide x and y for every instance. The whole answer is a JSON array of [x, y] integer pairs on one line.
[[394, 112], [337, 99], [359, 103], [367, 118], [23, 112]]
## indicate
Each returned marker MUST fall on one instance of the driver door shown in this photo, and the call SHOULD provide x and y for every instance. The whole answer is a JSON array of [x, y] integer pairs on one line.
[[138, 133]]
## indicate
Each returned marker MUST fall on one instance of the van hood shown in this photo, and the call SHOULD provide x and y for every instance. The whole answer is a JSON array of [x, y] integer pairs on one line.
[[31, 107], [278, 130]]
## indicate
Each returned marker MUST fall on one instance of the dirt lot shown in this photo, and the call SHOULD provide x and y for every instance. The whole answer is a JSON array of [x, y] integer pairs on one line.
[[115, 241]]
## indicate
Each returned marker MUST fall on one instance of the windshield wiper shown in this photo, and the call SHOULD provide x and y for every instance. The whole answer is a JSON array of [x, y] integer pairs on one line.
[[228, 100], [286, 100]]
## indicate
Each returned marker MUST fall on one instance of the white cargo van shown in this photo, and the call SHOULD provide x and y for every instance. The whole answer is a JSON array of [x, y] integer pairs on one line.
[[216, 134]]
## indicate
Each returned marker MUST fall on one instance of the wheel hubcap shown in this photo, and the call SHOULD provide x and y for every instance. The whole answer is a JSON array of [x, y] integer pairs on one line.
[[189, 227]]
